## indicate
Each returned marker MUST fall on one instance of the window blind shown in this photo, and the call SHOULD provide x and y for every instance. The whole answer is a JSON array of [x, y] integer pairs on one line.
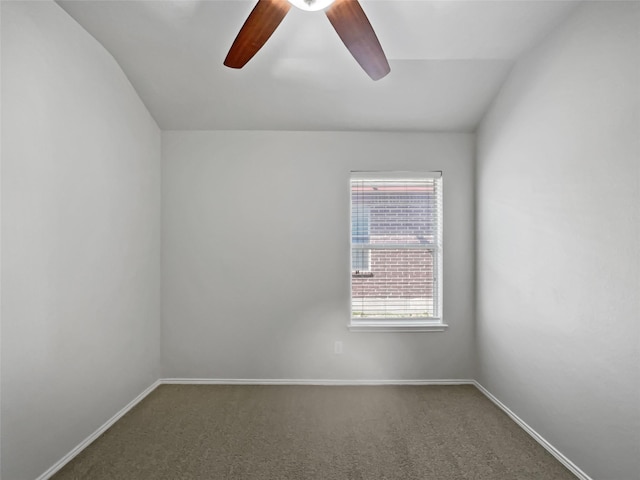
[[396, 245]]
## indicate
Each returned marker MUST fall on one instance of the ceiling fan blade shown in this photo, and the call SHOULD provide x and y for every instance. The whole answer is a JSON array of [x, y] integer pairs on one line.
[[260, 24], [353, 27]]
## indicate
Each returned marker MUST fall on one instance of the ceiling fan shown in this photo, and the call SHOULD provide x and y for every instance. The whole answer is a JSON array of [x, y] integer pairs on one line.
[[346, 16]]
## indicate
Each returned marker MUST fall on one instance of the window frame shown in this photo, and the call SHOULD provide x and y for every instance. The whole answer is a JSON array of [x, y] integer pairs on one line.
[[399, 324]]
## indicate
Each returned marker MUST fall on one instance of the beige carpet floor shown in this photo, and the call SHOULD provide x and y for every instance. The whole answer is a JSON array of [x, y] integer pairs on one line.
[[315, 432]]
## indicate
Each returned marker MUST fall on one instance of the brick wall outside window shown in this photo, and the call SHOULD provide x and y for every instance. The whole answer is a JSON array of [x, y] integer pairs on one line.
[[397, 273]]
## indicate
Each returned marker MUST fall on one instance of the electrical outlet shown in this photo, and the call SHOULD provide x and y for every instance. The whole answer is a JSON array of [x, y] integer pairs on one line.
[[337, 347]]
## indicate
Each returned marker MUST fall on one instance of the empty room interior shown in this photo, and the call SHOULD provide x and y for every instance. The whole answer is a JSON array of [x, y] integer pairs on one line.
[[319, 239]]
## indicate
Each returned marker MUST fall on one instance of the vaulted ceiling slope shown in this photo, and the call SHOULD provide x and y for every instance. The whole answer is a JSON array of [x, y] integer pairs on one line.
[[448, 60]]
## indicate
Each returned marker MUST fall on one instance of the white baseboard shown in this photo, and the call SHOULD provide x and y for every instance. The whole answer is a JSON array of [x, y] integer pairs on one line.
[[87, 441], [536, 436], [292, 381]]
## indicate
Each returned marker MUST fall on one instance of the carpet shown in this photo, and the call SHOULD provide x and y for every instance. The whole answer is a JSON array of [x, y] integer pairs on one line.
[[315, 432]]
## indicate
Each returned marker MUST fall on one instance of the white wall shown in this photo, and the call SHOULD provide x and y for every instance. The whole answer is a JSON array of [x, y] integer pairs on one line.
[[80, 246], [558, 241], [256, 256]]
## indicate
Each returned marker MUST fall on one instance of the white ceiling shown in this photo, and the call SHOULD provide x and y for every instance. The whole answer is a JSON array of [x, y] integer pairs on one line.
[[448, 60]]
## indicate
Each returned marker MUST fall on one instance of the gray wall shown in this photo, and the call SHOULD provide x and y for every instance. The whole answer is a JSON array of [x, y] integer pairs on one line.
[[80, 246], [558, 241], [256, 256]]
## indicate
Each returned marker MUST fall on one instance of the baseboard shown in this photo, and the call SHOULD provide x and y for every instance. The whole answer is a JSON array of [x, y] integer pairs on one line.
[[87, 441], [536, 436], [293, 381]]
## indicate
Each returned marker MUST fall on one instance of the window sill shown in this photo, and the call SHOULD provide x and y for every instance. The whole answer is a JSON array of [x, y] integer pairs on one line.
[[395, 326]]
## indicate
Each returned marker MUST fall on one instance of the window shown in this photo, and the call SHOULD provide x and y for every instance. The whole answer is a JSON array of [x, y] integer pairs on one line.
[[396, 251]]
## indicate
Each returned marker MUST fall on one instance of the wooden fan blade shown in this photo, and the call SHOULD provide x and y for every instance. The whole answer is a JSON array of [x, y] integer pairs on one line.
[[353, 27], [260, 24]]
